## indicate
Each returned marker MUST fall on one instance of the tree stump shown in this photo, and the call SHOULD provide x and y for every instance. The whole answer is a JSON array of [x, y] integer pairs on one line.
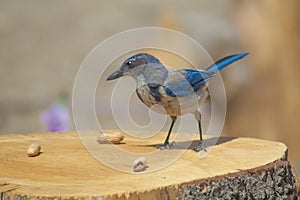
[[236, 168]]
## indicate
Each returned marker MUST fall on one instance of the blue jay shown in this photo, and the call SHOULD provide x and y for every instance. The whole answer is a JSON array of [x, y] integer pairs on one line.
[[178, 91]]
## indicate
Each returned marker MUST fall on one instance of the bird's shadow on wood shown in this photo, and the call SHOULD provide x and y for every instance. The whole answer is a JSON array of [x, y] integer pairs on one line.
[[190, 144]]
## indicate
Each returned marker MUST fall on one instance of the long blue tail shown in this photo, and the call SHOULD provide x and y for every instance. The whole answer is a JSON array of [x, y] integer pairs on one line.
[[224, 62]]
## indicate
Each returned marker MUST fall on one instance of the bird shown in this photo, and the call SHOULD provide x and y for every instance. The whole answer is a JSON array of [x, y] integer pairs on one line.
[[177, 91]]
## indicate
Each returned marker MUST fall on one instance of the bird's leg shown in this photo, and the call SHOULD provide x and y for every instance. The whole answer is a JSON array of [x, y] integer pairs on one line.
[[166, 144], [201, 145]]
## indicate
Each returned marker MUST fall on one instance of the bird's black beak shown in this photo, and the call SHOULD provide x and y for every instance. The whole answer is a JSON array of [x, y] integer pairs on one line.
[[115, 75]]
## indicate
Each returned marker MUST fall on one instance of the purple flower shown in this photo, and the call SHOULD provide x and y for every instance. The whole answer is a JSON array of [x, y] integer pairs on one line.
[[56, 118]]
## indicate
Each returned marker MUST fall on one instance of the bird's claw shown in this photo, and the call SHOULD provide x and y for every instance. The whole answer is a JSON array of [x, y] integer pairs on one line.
[[166, 145], [200, 147]]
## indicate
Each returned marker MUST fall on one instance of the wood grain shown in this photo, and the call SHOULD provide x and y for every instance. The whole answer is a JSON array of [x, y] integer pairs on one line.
[[66, 170]]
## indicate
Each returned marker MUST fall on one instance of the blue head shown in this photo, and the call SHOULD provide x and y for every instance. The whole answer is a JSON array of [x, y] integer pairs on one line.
[[134, 66]]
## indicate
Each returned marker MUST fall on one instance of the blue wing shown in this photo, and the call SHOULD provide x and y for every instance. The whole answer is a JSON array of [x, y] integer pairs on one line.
[[185, 82]]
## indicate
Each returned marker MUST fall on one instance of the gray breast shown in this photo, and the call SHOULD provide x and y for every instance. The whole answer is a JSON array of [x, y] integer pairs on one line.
[[145, 96]]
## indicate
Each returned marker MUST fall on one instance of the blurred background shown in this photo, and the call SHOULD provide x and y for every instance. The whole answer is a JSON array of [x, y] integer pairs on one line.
[[43, 43]]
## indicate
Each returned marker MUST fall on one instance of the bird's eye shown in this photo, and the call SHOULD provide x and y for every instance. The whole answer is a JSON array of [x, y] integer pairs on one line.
[[130, 63]]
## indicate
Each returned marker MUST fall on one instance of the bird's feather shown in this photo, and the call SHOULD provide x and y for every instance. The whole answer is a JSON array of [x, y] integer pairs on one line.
[[155, 74], [224, 62], [184, 82]]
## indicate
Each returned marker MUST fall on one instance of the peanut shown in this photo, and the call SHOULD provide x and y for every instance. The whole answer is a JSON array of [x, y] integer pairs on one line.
[[33, 150]]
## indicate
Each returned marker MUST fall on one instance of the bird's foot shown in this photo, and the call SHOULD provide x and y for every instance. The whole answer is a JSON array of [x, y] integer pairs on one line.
[[166, 145], [200, 147]]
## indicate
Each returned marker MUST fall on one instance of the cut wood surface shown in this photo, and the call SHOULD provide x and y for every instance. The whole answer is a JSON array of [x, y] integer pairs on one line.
[[236, 167]]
